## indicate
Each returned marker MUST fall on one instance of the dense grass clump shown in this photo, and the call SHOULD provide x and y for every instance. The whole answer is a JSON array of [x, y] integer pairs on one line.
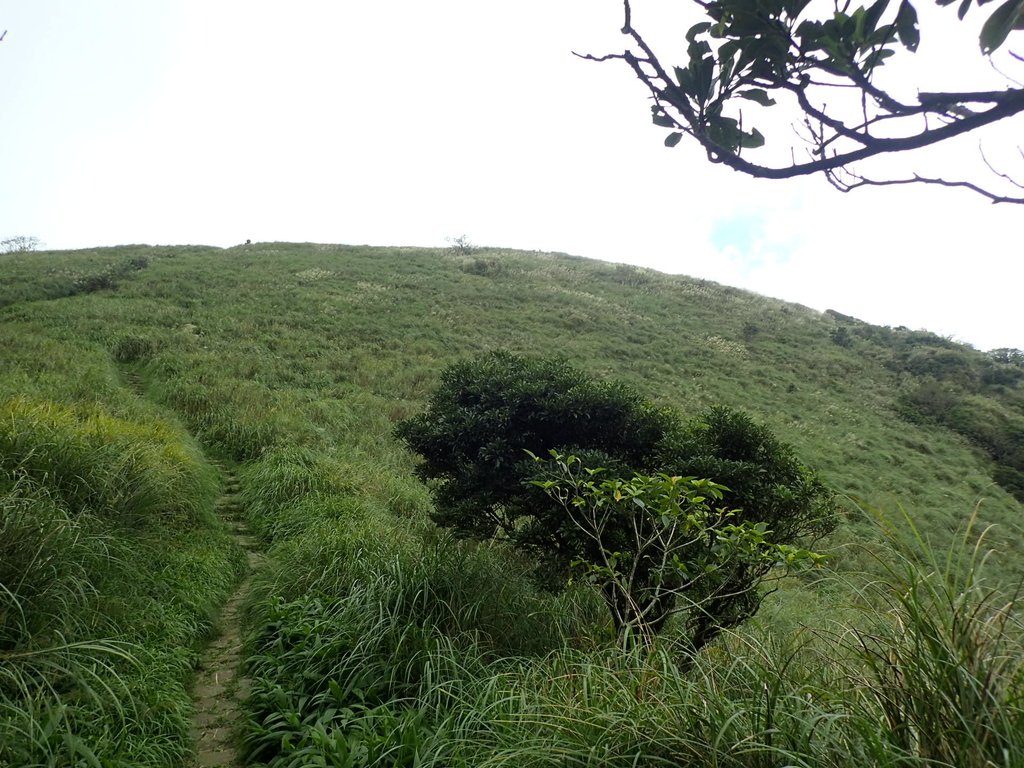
[[946, 672], [127, 472], [371, 628]]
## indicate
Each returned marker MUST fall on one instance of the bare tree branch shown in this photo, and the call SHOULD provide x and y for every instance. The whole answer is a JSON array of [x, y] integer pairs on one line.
[[916, 179], [1000, 174]]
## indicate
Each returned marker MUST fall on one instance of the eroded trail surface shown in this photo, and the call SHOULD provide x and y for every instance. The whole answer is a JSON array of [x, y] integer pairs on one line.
[[219, 689]]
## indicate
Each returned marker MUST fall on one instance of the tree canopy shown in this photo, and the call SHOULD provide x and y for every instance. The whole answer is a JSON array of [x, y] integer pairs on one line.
[[488, 412], [699, 487], [822, 62]]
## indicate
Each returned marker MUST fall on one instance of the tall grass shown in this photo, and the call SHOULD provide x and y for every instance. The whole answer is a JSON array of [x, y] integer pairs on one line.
[[946, 669], [125, 471], [109, 569], [45, 596], [376, 642], [423, 657]]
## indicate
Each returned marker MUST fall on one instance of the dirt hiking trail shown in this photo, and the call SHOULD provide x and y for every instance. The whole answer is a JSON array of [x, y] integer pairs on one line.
[[219, 689]]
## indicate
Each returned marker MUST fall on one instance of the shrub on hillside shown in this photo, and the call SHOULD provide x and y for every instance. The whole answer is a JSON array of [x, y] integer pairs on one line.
[[19, 244], [491, 413]]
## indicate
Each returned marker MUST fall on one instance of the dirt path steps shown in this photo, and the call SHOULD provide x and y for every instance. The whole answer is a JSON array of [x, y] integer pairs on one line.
[[132, 378], [219, 690]]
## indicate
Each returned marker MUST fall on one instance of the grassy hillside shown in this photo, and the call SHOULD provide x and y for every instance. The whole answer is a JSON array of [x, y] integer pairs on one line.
[[296, 360]]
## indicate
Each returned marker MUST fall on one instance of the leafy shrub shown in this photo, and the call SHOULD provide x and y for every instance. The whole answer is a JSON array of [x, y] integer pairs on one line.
[[928, 401], [1010, 478], [658, 546], [461, 245], [841, 336], [107, 278], [957, 366], [487, 413]]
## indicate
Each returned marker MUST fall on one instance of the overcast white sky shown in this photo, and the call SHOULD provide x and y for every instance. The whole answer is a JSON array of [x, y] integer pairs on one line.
[[403, 122]]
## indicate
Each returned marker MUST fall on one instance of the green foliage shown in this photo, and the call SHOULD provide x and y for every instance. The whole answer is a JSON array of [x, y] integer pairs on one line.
[[841, 336], [661, 545], [822, 61], [947, 673], [367, 679], [483, 267], [287, 477], [489, 411], [109, 564], [300, 359], [130, 348], [341, 664], [766, 481], [767, 486], [235, 418], [975, 394], [134, 474]]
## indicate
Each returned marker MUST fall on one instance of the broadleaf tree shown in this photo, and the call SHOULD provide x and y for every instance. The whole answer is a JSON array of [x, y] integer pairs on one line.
[[823, 64], [492, 416], [662, 545]]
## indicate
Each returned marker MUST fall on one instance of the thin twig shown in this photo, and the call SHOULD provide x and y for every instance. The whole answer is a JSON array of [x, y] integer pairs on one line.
[[915, 179], [1000, 174]]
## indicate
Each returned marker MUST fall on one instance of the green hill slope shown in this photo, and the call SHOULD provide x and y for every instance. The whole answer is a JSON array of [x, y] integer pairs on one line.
[[273, 328], [297, 359]]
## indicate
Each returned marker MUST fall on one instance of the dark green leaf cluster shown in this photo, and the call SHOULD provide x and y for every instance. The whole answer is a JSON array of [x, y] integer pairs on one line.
[[764, 45], [488, 413], [767, 483]]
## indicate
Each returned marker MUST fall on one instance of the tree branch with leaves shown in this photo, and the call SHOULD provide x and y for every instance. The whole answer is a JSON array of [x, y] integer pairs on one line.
[[661, 545], [750, 54]]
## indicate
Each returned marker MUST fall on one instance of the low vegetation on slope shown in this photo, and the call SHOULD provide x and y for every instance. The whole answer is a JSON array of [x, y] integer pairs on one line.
[[110, 563], [375, 639]]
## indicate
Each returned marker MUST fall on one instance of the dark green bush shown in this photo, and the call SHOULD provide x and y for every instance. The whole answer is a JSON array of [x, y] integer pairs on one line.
[[491, 413], [483, 267]]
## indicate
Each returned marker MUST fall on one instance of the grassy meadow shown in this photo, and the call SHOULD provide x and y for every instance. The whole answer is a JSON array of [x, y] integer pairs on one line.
[[130, 375]]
